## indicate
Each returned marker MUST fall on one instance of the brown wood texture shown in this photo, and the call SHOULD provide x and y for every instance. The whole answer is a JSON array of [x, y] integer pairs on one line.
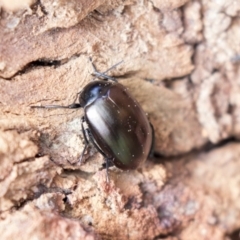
[[181, 62]]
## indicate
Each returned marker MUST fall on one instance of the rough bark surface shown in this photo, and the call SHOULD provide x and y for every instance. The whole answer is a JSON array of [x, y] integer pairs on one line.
[[181, 62]]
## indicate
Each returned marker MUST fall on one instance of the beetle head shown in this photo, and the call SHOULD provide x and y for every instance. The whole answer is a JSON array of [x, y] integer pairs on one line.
[[93, 91]]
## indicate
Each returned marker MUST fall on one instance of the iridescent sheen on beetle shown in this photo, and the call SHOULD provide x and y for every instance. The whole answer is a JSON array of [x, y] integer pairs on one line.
[[116, 124]]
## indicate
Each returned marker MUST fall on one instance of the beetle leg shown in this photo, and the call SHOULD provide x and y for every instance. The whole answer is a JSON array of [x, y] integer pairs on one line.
[[74, 105], [81, 157], [71, 106], [151, 153], [110, 163], [84, 131], [93, 142], [88, 137], [107, 177], [99, 150]]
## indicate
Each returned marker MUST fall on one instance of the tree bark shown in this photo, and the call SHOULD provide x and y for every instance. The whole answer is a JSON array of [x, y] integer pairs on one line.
[[181, 63]]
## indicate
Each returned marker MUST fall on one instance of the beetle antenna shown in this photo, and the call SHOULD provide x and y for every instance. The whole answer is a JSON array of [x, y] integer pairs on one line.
[[114, 66], [93, 65], [103, 75]]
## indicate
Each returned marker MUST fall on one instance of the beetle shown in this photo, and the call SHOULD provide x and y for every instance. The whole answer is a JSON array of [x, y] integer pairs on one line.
[[116, 123]]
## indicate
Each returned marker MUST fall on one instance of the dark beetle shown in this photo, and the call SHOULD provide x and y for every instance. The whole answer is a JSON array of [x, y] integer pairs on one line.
[[116, 124]]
